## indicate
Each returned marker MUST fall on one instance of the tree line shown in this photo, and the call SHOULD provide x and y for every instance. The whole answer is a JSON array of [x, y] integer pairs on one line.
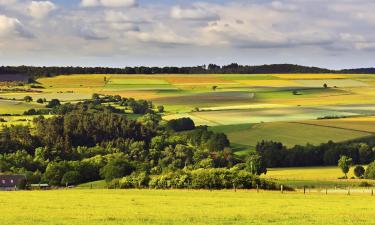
[[276, 154], [234, 68]]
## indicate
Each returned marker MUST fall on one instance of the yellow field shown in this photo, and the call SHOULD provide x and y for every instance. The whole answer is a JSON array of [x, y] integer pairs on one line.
[[182, 207], [310, 173], [92, 80], [268, 83], [311, 76], [366, 124]]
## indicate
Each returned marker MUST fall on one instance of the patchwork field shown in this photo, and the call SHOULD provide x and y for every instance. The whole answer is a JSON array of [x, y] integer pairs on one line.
[[268, 102], [187, 207]]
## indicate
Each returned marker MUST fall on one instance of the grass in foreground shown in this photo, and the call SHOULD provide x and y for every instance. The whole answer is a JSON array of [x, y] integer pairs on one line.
[[182, 207]]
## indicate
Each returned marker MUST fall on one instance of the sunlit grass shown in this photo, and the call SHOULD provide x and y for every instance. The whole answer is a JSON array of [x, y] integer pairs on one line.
[[182, 207]]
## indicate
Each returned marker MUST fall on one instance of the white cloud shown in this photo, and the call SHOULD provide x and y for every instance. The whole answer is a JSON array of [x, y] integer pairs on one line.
[[7, 2], [193, 13], [41, 9], [10, 27], [108, 3], [90, 3]]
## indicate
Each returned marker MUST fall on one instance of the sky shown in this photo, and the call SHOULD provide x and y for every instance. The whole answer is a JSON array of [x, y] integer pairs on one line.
[[118, 33]]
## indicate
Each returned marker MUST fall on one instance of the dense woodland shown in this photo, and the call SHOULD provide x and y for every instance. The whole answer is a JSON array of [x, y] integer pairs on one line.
[[233, 68], [93, 140]]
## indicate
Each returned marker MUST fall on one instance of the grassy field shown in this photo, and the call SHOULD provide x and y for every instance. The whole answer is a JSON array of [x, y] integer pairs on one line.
[[276, 99], [289, 133], [182, 207], [317, 177]]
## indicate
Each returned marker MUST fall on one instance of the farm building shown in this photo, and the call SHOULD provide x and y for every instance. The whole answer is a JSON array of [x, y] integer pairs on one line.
[[12, 182]]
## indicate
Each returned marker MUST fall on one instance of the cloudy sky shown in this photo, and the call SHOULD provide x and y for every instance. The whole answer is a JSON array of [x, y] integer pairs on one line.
[[333, 34]]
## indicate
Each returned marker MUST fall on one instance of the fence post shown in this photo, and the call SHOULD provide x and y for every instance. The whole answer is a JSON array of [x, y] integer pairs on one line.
[[257, 188], [304, 190], [282, 189], [348, 190], [326, 191], [372, 192]]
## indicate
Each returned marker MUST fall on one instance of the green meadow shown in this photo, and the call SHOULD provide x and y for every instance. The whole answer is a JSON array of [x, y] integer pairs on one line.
[[183, 207]]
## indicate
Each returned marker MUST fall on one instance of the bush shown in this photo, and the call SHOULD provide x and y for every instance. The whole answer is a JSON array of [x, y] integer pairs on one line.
[[40, 101], [359, 171], [135, 180], [53, 103], [28, 99], [116, 168], [370, 171], [215, 178], [181, 124], [70, 177]]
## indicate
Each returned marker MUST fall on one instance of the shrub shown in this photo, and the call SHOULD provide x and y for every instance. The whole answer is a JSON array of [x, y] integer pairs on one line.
[[70, 177], [359, 171], [181, 124], [135, 180], [53, 103], [370, 171], [116, 168]]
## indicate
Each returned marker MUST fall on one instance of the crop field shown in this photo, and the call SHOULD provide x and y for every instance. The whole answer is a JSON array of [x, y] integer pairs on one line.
[[269, 102], [15, 107], [288, 133], [313, 176], [182, 207], [227, 117]]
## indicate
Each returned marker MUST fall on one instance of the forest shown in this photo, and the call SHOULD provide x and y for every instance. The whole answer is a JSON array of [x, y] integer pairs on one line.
[[90, 140]]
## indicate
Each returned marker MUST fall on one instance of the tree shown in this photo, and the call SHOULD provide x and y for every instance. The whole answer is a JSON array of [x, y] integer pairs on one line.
[[370, 171], [70, 177], [325, 86], [181, 124], [116, 168], [40, 101], [255, 164], [53, 103], [160, 109], [95, 96], [344, 163], [214, 87], [28, 99], [359, 171]]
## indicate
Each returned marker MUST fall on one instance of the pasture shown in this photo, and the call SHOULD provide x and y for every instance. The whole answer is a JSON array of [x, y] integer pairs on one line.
[[318, 177], [280, 107], [288, 133], [182, 207]]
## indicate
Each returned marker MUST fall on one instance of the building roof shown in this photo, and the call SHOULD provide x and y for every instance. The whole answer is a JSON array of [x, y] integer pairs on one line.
[[11, 180]]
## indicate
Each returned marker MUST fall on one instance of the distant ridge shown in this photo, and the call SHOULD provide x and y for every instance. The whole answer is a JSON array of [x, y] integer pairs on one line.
[[233, 68]]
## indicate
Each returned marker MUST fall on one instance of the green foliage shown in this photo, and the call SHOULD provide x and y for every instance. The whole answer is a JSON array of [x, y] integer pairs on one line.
[[160, 108], [214, 178], [359, 171], [182, 124], [70, 177], [28, 98], [370, 171], [116, 168], [255, 164], [344, 163], [53, 103]]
